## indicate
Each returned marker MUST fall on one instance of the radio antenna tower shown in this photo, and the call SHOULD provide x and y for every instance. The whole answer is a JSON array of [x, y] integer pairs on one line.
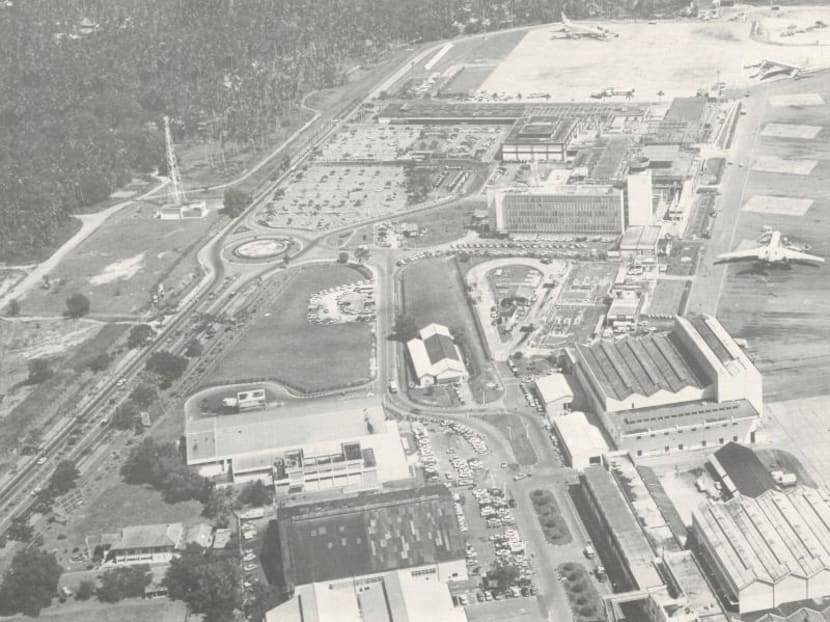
[[176, 193]]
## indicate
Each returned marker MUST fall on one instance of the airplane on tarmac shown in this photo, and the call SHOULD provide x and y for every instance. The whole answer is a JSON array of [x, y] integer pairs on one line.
[[770, 68], [776, 250], [573, 30]]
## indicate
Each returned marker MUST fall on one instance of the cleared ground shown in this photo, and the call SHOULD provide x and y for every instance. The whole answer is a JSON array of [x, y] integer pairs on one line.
[[283, 345], [119, 265], [132, 610], [711, 51]]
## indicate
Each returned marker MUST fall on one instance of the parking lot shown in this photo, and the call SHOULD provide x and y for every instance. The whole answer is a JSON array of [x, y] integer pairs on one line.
[[452, 452], [322, 197]]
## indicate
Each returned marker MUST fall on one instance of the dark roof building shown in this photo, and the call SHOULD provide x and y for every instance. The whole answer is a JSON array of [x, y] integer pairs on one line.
[[368, 533], [741, 471]]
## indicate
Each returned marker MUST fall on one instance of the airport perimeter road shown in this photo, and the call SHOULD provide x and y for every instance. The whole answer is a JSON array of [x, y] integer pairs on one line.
[[708, 284]]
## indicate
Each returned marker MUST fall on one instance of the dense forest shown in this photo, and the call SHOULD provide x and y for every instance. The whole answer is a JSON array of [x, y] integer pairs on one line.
[[86, 82]]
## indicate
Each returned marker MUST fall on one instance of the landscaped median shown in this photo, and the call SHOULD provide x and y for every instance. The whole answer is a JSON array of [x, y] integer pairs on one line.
[[550, 518], [586, 603]]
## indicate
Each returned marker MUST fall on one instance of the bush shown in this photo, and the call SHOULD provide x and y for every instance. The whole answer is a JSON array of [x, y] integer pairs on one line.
[[168, 366], [77, 305], [86, 589], [124, 582], [99, 362]]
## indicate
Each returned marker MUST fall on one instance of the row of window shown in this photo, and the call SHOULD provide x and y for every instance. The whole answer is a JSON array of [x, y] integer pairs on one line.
[[667, 448]]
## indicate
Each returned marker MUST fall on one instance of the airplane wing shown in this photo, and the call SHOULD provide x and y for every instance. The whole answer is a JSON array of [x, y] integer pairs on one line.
[[800, 257], [750, 253]]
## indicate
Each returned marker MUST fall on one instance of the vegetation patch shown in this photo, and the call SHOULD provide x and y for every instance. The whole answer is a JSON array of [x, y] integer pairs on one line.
[[585, 601], [550, 518]]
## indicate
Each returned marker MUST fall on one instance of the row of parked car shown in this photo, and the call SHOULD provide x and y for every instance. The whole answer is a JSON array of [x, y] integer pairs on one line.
[[494, 507], [475, 439]]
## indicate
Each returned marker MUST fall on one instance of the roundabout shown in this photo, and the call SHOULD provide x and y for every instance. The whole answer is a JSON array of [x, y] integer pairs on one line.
[[262, 249]]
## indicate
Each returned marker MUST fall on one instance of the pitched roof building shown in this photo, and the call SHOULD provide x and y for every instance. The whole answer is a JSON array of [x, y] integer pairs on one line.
[[435, 357]]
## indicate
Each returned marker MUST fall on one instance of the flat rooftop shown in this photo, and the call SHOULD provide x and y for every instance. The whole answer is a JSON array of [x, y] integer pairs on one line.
[[501, 112], [368, 533], [225, 436], [541, 130], [632, 542], [641, 365], [644, 420], [640, 237], [691, 580], [688, 109]]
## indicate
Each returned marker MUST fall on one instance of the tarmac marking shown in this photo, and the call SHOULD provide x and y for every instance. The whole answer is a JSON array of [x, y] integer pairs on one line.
[[774, 164], [786, 206], [797, 99], [791, 130]]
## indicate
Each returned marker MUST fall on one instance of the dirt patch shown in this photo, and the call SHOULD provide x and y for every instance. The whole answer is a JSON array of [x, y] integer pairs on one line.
[[119, 270]]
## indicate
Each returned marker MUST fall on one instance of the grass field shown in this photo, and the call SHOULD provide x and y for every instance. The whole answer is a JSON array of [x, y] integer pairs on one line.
[[783, 312], [131, 610], [282, 345], [118, 266], [550, 518], [443, 224], [433, 291], [514, 430], [667, 298]]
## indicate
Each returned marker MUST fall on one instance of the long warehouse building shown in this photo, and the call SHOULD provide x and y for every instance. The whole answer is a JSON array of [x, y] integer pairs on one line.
[[768, 550], [687, 389]]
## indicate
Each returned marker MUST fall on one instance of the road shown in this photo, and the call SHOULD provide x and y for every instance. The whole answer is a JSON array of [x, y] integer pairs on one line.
[[707, 286]]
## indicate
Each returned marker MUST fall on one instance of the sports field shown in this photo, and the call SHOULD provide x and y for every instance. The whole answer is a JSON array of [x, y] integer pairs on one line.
[[573, 69], [281, 344]]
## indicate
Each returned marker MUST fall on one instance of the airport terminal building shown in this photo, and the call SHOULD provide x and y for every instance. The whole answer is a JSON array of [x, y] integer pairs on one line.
[[301, 449], [690, 388], [574, 209]]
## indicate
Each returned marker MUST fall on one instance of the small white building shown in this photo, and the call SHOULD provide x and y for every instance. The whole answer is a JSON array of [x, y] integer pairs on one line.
[[197, 209], [147, 544], [435, 358], [555, 391], [581, 442]]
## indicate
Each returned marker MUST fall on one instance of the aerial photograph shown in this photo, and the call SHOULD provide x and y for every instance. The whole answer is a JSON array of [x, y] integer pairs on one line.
[[415, 310]]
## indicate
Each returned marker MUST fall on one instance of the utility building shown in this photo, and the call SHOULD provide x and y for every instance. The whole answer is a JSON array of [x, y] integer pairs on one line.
[[688, 389], [640, 199], [539, 138]]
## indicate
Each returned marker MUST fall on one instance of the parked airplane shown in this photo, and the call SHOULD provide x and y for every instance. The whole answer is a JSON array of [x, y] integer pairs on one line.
[[574, 30], [775, 251], [771, 68]]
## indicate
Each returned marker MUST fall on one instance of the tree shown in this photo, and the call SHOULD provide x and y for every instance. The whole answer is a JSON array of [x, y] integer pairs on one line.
[[503, 575], [140, 335], [256, 494], [143, 395], [39, 371], [235, 202], [86, 589], [13, 309], [99, 362], [29, 583], [167, 365], [124, 582], [77, 305], [160, 465], [126, 416], [194, 348], [20, 529], [406, 328], [219, 506], [209, 582], [63, 479], [343, 257]]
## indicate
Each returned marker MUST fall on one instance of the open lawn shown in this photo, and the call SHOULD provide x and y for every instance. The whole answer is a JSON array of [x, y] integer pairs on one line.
[[121, 505], [131, 610], [442, 224], [281, 344], [434, 291], [512, 427], [550, 518], [119, 265]]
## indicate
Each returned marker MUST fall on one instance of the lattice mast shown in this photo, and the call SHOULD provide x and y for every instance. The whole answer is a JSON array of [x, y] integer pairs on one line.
[[176, 193]]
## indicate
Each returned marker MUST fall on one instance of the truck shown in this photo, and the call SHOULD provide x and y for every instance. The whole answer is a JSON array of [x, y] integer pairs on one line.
[[393, 386], [784, 479]]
